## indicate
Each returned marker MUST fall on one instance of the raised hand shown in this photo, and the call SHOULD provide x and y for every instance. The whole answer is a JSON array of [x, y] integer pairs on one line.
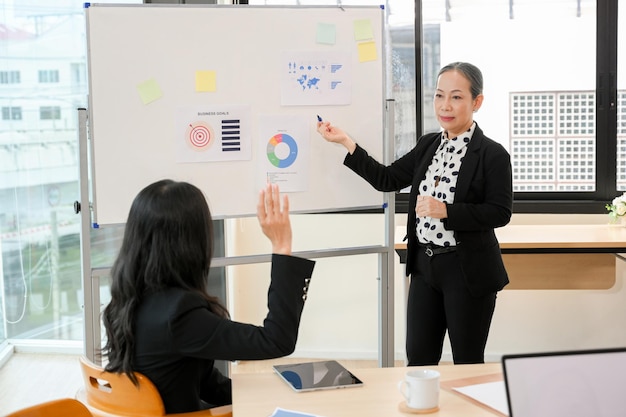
[[274, 221]]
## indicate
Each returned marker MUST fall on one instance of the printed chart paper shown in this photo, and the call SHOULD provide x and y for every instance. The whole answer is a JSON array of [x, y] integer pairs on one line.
[[213, 133], [284, 152], [315, 78]]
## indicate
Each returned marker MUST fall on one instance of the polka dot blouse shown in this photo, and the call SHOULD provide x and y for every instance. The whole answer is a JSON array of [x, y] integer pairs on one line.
[[440, 183]]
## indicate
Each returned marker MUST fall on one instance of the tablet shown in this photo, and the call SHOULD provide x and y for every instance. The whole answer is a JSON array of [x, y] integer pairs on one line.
[[312, 376]]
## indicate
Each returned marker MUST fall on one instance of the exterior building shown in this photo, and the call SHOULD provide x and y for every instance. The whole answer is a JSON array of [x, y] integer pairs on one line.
[[43, 81]]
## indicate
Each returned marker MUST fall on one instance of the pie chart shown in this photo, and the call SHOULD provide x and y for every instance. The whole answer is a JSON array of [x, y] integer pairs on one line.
[[282, 150]]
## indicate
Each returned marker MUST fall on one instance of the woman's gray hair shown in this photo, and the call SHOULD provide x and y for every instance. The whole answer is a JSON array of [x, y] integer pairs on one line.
[[471, 72]]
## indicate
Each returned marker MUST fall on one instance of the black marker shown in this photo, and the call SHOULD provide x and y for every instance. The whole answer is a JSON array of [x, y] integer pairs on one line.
[[319, 119]]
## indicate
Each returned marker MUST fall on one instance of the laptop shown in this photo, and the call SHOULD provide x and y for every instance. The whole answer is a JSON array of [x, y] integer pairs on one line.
[[311, 376], [570, 384]]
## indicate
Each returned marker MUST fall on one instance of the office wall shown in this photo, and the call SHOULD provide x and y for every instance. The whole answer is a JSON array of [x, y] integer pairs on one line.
[[340, 317]]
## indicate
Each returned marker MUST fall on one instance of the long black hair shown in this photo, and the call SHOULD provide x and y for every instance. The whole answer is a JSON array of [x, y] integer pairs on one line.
[[168, 242]]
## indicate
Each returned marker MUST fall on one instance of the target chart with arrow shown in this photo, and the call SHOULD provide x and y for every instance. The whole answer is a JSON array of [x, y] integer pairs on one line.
[[215, 134]]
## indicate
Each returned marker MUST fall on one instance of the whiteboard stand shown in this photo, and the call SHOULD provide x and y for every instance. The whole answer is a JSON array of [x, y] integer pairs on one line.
[[386, 351], [91, 292]]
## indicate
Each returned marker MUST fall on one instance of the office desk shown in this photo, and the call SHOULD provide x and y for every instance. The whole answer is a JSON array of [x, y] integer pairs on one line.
[[258, 394], [542, 256]]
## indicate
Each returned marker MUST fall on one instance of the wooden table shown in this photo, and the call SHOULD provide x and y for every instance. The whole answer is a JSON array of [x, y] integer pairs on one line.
[[561, 238], [258, 394], [580, 256]]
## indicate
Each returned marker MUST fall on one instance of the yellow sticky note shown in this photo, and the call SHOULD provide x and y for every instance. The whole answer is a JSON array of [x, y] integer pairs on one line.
[[149, 91], [363, 30], [205, 81], [326, 33], [367, 51]]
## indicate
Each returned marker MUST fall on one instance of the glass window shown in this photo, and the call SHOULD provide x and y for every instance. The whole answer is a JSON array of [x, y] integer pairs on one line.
[[11, 113], [539, 84], [40, 269], [9, 77], [50, 113], [48, 76]]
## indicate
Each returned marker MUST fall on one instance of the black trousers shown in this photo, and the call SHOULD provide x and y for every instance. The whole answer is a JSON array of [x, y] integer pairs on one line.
[[439, 300]]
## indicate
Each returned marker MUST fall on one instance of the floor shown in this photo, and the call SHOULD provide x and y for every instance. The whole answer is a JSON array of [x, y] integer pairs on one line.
[[31, 378]]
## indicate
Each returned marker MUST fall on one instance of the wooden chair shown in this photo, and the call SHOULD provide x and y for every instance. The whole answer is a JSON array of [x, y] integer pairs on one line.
[[56, 408], [108, 394]]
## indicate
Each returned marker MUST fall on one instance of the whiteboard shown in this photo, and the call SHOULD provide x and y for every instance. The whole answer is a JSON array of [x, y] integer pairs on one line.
[[227, 98]]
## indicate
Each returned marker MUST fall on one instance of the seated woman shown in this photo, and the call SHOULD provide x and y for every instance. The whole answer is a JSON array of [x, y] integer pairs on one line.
[[161, 320]]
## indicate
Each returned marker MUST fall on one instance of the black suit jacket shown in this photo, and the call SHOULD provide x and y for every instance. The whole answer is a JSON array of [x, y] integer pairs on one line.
[[177, 337], [483, 201]]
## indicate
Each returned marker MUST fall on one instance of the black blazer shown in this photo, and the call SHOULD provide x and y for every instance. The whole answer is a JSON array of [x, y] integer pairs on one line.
[[483, 201], [177, 337]]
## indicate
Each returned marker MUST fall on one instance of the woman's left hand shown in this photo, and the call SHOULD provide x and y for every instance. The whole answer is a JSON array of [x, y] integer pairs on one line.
[[428, 206]]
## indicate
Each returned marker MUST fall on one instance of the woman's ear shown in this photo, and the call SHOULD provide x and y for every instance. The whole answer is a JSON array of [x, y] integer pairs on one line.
[[478, 101]]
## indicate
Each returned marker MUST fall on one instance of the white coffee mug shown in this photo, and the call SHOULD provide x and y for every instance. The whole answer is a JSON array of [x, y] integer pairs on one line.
[[420, 387]]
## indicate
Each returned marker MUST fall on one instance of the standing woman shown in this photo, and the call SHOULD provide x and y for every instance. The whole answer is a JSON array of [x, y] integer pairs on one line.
[[461, 189], [161, 320]]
